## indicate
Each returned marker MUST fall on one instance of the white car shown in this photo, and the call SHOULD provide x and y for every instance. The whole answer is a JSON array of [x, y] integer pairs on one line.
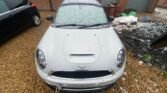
[[80, 51]]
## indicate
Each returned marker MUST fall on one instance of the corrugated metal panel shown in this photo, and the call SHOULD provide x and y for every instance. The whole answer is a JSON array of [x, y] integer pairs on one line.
[[139, 5]]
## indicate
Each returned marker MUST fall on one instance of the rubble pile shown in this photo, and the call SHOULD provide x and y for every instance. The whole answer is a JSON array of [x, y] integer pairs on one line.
[[138, 39]]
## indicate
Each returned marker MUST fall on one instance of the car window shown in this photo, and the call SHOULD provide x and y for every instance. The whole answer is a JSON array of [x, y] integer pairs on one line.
[[80, 15], [15, 3], [3, 6]]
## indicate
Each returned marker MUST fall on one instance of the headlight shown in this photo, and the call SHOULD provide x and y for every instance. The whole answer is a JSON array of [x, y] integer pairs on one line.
[[41, 60], [121, 57]]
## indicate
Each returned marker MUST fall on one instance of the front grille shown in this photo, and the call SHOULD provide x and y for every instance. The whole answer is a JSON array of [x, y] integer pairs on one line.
[[80, 74]]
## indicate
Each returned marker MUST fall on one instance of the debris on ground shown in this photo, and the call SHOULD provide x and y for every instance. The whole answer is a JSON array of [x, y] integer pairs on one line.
[[124, 20], [144, 19], [161, 13], [140, 79], [128, 12], [138, 38]]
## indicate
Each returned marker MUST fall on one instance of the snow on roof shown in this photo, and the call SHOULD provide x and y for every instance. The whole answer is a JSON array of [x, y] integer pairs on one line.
[[81, 1]]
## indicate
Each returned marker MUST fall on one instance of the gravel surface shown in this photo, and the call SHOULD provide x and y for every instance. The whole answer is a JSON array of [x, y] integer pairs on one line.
[[18, 73]]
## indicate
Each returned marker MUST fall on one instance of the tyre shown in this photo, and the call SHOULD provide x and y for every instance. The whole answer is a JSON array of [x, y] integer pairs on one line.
[[36, 20]]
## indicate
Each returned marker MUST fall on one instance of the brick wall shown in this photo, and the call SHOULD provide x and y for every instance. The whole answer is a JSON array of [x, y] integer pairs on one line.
[[162, 3], [46, 5]]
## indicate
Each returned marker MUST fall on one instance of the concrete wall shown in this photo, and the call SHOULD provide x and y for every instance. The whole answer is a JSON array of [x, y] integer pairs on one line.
[[139, 5]]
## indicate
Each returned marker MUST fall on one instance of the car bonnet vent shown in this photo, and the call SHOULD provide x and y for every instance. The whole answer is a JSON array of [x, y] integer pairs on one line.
[[81, 54]]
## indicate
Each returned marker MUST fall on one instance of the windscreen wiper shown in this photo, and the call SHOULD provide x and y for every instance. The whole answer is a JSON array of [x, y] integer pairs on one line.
[[69, 25], [86, 26]]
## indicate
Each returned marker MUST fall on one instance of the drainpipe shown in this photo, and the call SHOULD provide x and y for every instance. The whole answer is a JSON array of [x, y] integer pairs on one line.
[[51, 7]]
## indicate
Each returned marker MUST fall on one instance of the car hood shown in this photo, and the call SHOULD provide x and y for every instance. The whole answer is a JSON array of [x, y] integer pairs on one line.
[[80, 49]]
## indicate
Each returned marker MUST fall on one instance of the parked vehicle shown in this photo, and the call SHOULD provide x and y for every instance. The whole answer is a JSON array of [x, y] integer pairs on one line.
[[16, 15], [80, 51]]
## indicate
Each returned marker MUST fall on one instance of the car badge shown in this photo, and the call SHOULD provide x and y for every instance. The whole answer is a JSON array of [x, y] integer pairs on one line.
[[82, 67]]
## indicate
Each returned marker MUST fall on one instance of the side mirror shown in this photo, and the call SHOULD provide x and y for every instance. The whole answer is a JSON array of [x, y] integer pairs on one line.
[[111, 18], [50, 18]]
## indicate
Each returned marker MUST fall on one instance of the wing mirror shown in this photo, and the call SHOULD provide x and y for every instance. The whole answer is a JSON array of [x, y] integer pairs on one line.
[[50, 18], [110, 18]]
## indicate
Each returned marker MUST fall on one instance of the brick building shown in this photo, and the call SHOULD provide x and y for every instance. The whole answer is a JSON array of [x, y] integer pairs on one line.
[[47, 4]]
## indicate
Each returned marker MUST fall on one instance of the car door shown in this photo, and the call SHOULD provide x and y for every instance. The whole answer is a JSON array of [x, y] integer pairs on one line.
[[6, 21], [20, 12]]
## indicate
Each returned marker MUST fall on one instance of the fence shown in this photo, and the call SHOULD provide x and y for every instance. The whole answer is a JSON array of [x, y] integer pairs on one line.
[[47, 4]]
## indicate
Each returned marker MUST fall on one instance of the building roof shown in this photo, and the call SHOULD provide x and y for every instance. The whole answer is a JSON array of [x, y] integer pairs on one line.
[[81, 1]]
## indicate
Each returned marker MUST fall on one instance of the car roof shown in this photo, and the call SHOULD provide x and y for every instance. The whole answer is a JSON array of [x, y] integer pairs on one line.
[[94, 2]]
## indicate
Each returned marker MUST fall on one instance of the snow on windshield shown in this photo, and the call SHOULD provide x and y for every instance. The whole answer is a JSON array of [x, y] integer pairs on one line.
[[80, 15]]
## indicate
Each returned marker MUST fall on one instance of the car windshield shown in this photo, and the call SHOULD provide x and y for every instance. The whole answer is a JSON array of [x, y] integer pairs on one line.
[[80, 15], [3, 7]]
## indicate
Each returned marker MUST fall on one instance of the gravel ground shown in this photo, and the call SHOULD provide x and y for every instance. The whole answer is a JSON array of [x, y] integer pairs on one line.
[[18, 73]]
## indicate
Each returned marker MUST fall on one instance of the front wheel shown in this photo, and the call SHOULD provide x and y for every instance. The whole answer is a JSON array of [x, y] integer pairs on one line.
[[36, 20]]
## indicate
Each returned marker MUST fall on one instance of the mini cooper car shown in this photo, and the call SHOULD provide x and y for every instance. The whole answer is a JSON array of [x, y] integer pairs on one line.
[[15, 15], [80, 51]]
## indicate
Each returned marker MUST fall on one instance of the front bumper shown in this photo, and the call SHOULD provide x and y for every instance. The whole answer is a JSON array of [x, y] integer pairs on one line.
[[69, 84], [95, 89]]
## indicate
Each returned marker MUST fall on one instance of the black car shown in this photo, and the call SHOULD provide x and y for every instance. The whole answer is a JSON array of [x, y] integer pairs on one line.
[[15, 15]]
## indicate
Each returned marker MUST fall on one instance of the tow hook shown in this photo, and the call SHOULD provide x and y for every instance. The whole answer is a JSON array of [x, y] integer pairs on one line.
[[58, 88]]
